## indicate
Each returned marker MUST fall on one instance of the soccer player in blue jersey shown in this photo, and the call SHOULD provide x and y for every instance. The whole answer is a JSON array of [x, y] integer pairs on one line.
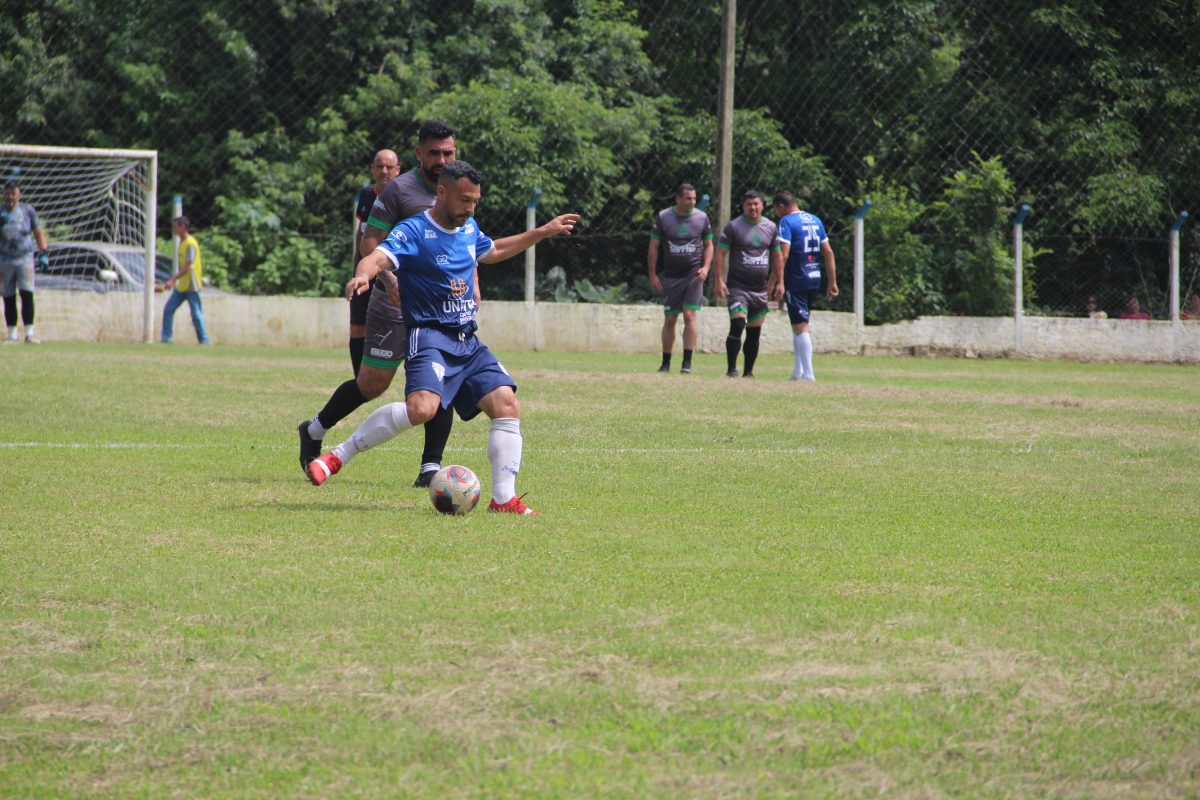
[[796, 275], [434, 256]]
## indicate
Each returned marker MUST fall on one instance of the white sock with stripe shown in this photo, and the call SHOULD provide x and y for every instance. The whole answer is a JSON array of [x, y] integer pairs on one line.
[[384, 424], [504, 451]]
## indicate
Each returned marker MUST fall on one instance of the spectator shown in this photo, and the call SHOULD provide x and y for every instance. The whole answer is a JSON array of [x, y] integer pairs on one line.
[[19, 228], [1192, 309], [1133, 310], [1094, 310], [185, 284]]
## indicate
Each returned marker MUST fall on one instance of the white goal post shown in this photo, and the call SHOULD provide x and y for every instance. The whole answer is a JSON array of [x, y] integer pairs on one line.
[[97, 207]]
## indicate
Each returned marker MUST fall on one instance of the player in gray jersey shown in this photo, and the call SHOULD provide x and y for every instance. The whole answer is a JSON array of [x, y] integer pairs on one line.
[[685, 237], [20, 229], [386, 334], [747, 243]]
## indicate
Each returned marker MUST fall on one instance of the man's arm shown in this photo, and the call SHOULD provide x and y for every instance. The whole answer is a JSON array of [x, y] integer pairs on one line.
[[831, 289], [775, 282], [510, 246], [705, 261], [369, 266], [652, 265], [719, 288], [185, 268]]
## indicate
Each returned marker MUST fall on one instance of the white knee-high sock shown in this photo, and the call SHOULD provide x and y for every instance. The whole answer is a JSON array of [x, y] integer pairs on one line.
[[802, 343], [384, 424], [504, 451]]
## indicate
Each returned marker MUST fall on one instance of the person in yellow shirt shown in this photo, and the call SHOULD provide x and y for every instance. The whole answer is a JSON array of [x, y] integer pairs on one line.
[[185, 284]]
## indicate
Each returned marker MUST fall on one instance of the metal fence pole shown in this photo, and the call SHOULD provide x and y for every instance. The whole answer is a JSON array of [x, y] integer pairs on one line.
[[859, 315], [530, 260], [1018, 273], [1174, 289]]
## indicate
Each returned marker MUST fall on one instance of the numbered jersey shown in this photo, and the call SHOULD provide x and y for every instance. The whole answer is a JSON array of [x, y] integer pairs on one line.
[[804, 234], [436, 270]]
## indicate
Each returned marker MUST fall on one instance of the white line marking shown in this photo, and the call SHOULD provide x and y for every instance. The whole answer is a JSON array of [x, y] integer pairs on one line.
[[179, 446]]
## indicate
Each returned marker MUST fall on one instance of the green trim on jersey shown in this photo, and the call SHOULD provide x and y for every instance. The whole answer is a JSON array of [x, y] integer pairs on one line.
[[421, 177], [376, 222], [655, 237], [382, 363], [724, 245]]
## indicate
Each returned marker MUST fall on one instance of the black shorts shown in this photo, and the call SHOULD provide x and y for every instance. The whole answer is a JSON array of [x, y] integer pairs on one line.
[[358, 306]]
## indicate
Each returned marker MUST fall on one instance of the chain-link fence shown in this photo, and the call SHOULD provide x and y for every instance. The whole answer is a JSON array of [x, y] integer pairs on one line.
[[946, 113]]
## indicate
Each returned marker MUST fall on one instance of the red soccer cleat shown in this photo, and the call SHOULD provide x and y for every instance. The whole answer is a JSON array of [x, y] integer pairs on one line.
[[322, 467], [513, 506]]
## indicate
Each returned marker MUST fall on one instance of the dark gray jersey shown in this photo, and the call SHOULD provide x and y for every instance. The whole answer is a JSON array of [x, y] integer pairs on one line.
[[749, 245], [404, 197], [684, 238]]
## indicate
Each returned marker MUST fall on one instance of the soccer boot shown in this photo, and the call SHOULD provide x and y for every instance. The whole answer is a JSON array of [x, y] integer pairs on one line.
[[733, 373], [310, 448], [322, 467], [513, 506], [665, 368], [424, 479], [686, 369], [31, 339], [747, 375]]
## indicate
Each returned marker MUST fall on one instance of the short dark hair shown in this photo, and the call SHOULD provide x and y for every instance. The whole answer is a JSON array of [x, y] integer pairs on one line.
[[456, 170], [684, 187], [183, 220], [784, 198], [434, 129], [751, 194]]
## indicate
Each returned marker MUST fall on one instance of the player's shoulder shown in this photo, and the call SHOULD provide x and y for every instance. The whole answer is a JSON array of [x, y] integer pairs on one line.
[[805, 216]]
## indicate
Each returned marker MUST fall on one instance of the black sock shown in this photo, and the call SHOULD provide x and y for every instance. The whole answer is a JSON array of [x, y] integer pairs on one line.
[[342, 403], [750, 350], [666, 359], [437, 433], [10, 311], [687, 358], [27, 308], [733, 342], [356, 353]]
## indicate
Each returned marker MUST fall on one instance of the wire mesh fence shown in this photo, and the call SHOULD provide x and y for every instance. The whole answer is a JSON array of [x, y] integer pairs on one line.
[[946, 113]]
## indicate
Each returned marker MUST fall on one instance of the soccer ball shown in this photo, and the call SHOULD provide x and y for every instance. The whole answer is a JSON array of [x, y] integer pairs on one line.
[[454, 490]]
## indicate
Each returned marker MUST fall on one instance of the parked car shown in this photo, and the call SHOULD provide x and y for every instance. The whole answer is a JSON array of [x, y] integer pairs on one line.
[[100, 267]]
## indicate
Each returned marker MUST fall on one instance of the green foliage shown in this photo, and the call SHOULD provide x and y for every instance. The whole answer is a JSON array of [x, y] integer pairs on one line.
[[903, 279], [970, 218]]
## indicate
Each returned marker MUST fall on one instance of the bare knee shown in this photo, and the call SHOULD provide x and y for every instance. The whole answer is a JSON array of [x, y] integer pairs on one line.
[[422, 406], [501, 403]]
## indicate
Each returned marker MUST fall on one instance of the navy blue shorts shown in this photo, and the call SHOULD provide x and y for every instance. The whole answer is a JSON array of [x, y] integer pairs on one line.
[[799, 304], [460, 371]]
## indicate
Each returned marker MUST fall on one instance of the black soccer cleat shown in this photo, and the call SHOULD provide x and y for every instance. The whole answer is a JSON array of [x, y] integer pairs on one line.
[[747, 375], [310, 448], [424, 479], [733, 373], [665, 368], [686, 369]]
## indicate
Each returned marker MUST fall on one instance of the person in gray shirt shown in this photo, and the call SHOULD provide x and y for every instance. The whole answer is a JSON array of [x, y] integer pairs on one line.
[[685, 237], [386, 339], [19, 228], [747, 242]]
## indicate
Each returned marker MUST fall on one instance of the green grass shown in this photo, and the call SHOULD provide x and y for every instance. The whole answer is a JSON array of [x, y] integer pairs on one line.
[[916, 578]]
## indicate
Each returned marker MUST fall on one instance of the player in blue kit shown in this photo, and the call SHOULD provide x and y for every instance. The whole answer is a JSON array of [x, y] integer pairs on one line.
[[434, 256], [796, 275]]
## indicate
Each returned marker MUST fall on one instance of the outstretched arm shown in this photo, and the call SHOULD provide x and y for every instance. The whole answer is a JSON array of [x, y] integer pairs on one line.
[[509, 246], [368, 267]]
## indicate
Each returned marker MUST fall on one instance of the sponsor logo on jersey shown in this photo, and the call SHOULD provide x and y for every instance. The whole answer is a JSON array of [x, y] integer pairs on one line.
[[430, 233], [756, 261], [458, 287], [377, 204], [380, 352], [442, 259], [398, 235], [684, 249], [469, 229]]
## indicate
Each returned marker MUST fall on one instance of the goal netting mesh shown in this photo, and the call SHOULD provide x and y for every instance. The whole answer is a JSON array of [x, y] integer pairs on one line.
[[98, 210]]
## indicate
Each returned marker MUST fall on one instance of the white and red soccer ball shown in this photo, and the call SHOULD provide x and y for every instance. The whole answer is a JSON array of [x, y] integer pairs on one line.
[[454, 490]]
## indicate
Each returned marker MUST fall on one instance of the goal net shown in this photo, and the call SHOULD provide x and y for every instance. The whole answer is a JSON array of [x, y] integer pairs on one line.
[[98, 209]]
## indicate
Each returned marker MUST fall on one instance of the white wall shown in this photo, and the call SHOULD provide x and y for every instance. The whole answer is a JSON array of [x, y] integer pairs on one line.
[[322, 322]]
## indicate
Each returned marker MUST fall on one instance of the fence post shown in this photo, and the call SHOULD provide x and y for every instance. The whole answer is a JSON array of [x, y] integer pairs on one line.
[[1174, 288], [859, 316], [530, 224], [1018, 273]]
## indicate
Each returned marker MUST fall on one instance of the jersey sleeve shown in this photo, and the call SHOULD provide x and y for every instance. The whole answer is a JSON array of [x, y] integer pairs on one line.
[[707, 233], [483, 244], [401, 243], [785, 230], [656, 230], [726, 240], [385, 213]]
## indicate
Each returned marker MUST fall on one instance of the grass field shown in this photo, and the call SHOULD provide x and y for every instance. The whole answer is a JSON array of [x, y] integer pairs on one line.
[[916, 578]]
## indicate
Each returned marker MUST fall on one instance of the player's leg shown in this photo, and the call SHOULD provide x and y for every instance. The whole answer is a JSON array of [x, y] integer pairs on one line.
[[798, 305], [8, 289], [386, 330], [670, 317], [733, 342], [25, 289], [505, 447], [692, 298], [358, 327], [168, 323], [437, 435]]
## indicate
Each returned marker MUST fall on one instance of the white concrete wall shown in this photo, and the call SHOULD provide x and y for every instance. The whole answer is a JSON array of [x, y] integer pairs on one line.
[[322, 322]]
